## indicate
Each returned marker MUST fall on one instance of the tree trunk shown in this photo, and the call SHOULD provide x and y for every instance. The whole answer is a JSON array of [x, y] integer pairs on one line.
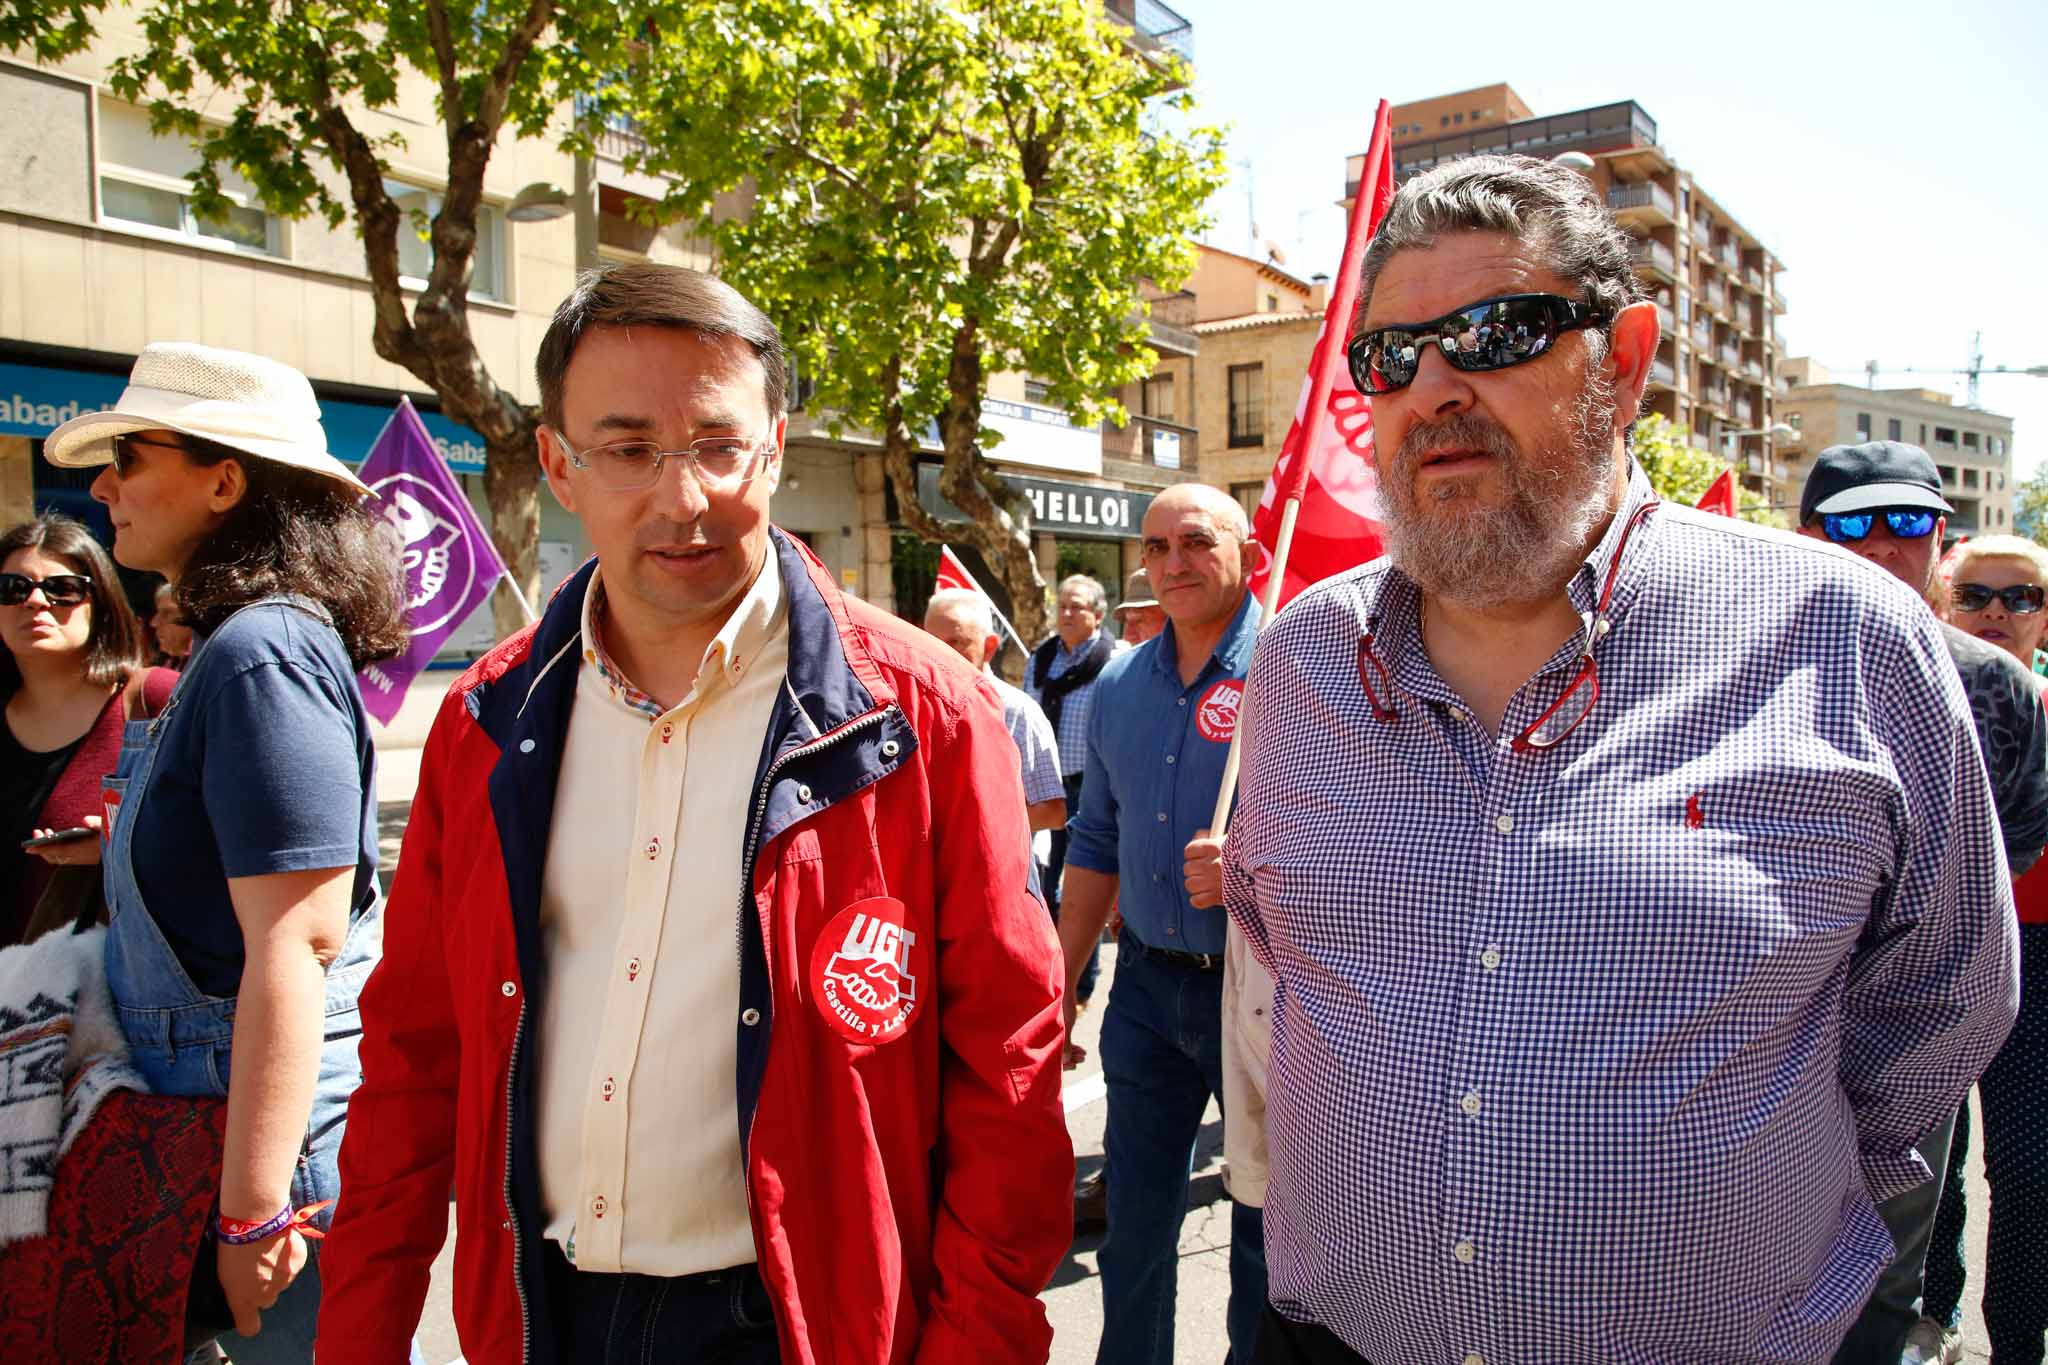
[[512, 487]]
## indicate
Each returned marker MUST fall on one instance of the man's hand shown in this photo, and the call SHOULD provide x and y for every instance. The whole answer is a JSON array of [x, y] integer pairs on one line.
[[1074, 1054], [253, 1276], [1202, 870]]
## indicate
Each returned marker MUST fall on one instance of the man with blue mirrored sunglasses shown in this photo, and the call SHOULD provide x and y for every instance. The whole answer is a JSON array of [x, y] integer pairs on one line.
[[1882, 500]]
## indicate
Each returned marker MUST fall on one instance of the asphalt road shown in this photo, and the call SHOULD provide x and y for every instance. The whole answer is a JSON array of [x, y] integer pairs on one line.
[[1074, 1300]]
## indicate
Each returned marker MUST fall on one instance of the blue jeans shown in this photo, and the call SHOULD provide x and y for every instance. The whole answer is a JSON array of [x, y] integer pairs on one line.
[[721, 1318], [1162, 1056]]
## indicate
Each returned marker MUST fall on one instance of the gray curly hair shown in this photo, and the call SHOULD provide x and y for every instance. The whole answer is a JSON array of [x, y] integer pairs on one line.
[[1553, 209]]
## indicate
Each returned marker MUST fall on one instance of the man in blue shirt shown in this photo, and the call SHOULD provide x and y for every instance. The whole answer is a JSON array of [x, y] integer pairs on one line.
[[1160, 730]]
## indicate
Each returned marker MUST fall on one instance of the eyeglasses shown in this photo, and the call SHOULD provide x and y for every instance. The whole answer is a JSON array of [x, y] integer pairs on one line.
[[717, 461], [59, 589], [2021, 599], [1907, 523], [1492, 334], [1565, 714], [125, 457]]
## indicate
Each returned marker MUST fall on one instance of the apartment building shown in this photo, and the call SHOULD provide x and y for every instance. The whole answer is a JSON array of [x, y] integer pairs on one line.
[[1972, 447], [1717, 372]]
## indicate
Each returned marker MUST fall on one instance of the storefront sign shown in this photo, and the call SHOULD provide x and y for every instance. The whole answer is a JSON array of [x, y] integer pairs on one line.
[[1044, 438], [36, 399], [1063, 509]]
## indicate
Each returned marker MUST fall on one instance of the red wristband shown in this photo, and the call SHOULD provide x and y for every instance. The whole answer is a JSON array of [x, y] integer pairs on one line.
[[242, 1232]]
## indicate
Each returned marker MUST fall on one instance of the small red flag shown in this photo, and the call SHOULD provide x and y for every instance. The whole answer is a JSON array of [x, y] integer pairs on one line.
[[1720, 495], [953, 574], [1327, 460]]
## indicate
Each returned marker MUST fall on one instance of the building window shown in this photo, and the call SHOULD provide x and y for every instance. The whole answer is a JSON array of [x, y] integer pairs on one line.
[[145, 181], [1035, 390], [1969, 478], [1272, 303], [1247, 405], [416, 253], [1894, 429], [1248, 495], [1970, 440], [1458, 119], [1944, 436], [1923, 434], [1862, 426], [1155, 397]]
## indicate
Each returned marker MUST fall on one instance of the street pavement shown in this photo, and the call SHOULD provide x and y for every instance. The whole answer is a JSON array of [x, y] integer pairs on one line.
[[1074, 1299]]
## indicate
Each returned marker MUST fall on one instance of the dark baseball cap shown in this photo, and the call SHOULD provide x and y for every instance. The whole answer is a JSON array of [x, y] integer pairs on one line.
[[1865, 477]]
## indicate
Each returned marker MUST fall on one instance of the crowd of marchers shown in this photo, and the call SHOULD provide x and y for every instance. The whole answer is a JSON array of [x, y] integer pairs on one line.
[[1618, 906]]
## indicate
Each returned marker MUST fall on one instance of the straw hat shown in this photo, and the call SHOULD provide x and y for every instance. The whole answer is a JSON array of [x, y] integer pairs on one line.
[[1137, 593], [249, 403]]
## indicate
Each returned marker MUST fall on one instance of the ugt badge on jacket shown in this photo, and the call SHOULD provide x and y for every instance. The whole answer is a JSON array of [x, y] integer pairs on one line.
[[864, 970]]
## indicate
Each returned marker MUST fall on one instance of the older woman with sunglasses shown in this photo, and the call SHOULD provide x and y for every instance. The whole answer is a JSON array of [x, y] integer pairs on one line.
[[242, 853], [1998, 586], [73, 646]]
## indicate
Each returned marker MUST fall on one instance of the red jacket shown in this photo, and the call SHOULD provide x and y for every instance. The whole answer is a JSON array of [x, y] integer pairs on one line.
[[911, 1196]]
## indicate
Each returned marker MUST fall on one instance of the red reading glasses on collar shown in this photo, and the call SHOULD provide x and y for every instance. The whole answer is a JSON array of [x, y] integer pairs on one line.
[[1565, 714]]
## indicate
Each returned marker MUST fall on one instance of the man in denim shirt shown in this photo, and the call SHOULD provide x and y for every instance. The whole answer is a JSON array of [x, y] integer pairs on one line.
[[1158, 734]]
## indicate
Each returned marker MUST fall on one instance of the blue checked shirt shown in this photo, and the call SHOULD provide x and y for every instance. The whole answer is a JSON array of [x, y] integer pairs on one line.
[[1603, 1054], [1073, 723], [1155, 760]]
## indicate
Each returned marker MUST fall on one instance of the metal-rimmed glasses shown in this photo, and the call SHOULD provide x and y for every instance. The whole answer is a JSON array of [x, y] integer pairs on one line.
[[1565, 714], [59, 589], [623, 466]]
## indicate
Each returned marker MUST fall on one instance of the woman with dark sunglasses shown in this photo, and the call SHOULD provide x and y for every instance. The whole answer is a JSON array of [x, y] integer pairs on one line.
[[241, 856], [1997, 589], [73, 647]]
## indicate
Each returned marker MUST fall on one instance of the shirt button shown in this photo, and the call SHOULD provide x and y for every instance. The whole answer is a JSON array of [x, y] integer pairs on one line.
[[1490, 958], [666, 732], [1465, 1252], [1169, 758], [508, 990], [598, 1206], [803, 793], [1182, 702], [1470, 1104], [525, 746], [1504, 823], [633, 970], [750, 1016], [1457, 716], [1162, 817], [890, 748], [654, 847], [1169, 929], [609, 1088]]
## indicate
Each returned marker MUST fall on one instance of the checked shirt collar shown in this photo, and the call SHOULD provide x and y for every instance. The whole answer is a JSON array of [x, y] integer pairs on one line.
[[1392, 610], [753, 622]]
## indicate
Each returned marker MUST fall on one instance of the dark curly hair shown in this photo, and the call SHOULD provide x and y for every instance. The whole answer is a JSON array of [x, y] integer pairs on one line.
[[301, 533], [113, 648]]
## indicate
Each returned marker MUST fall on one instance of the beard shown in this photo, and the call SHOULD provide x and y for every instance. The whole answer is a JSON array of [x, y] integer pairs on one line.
[[1528, 545]]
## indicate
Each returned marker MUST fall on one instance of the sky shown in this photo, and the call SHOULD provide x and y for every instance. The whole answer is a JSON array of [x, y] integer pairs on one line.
[[1893, 156]]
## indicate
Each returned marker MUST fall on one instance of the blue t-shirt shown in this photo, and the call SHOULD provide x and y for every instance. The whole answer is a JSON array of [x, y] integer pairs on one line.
[[265, 764]]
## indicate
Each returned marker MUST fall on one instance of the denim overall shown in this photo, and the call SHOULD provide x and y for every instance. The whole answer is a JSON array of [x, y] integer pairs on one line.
[[180, 1038]]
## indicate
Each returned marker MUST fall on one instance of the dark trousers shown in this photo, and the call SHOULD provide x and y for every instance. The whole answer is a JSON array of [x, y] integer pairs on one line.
[[2013, 1094], [1879, 1333], [723, 1317], [1282, 1342], [1053, 868]]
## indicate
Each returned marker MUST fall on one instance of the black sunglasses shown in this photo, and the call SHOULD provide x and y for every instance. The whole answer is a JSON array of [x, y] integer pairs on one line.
[[2021, 599], [1907, 523], [124, 451], [59, 589], [1492, 334]]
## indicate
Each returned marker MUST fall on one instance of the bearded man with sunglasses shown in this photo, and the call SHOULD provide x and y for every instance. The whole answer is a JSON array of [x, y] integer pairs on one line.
[[1882, 500], [1628, 874], [714, 985]]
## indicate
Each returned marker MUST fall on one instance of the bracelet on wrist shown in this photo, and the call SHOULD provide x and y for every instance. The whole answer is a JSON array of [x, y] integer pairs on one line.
[[238, 1232]]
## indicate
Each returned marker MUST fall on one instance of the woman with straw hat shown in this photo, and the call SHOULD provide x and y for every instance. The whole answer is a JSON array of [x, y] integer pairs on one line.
[[241, 850]]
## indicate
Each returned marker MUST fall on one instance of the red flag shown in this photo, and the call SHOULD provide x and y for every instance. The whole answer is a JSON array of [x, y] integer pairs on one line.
[[1326, 460], [953, 574], [1720, 495]]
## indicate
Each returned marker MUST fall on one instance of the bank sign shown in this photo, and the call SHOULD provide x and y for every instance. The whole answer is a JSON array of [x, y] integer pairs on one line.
[[1063, 509], [37, 399]]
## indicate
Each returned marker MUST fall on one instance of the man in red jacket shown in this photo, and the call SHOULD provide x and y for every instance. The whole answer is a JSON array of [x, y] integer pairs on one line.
[[710, 981]]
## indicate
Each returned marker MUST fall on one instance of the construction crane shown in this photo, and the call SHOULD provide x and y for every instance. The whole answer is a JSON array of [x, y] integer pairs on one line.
[[1975, 370]]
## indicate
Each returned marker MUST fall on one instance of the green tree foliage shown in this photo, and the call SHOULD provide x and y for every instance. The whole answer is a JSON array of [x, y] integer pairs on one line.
[[292, 95], [936, 191], [2030, 506], [1682, 472]]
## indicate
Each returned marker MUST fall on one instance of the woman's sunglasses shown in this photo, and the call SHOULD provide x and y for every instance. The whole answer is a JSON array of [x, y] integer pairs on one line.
[[2021, 599], [1492, 334], [59, 589], [1907, 523]]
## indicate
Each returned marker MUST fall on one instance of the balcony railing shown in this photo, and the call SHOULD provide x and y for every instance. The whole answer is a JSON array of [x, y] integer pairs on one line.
[[1700, 441], [1647, 254], [1731, 357], [1703, 229], [1662, 373], [1716, 297], [1154, 441], [1745, 318], [1703, 332], [617, 137], [1607, 127], [1154, 23], [1715, 395], [1667, 322], [1730, 256], [1648, 195], [1754, 371], [1754, 278], [1745, 412]]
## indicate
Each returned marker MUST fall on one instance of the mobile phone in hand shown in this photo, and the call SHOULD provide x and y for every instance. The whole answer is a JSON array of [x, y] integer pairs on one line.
[[61, 836]]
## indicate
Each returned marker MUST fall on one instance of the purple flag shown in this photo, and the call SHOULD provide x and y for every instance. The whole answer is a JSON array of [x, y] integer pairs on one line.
[[450, 564]]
